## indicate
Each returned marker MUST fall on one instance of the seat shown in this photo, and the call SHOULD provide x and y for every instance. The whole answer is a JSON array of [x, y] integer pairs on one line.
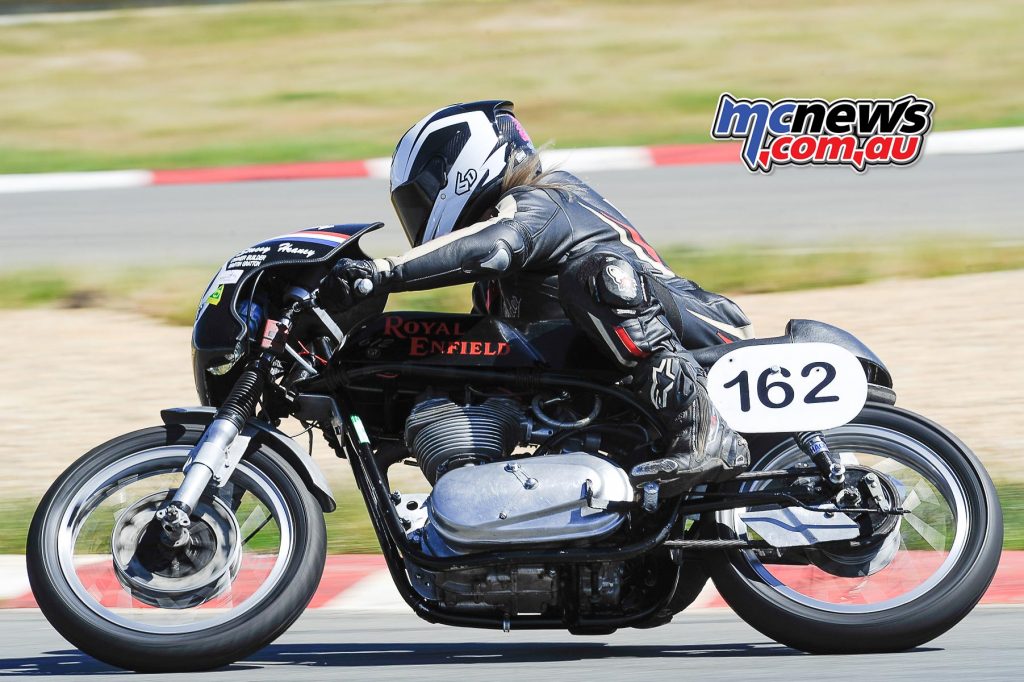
[[806, 331]]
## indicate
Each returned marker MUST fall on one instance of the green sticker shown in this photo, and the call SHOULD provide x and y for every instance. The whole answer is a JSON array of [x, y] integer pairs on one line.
[[357, 424], [214, 298]]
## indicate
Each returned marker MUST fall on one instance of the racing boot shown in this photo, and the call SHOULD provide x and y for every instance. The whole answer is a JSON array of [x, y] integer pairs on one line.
[[702, 447]]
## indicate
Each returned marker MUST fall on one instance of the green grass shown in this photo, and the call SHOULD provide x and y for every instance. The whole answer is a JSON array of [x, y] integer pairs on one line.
[[349, 529], [171, 294], [746, 269], [1011, 498], [301, 81], [30, 289]]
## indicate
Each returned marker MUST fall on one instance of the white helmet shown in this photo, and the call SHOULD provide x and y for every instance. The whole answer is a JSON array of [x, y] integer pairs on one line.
[[448, 168]]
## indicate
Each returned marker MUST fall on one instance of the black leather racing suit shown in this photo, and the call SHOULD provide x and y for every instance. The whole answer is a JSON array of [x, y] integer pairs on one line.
[[547, 252]]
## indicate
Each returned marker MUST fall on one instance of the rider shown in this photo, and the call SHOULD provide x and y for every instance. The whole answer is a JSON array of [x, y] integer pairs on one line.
[[467, 184]]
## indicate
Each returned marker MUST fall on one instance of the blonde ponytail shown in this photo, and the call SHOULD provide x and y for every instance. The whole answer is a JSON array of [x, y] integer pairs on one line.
[[528, 173]]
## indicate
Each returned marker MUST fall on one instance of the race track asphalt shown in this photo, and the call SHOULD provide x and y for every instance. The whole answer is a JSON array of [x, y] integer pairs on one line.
[[699, 205], [703, 646]]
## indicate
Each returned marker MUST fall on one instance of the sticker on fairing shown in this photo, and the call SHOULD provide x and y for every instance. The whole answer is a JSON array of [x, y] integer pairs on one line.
[[215, 292], [228, 276], [788, 387], [215, 297]]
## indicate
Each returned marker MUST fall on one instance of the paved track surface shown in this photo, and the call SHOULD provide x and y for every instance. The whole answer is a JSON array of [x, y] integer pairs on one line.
[[711, 645], [700, 205]]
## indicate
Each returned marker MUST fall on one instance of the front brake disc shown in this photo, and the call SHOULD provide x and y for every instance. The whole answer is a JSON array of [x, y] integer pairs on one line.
[[176, 577]]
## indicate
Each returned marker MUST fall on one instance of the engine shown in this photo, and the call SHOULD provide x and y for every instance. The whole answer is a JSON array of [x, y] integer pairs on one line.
[[484, 498], [443, 436]]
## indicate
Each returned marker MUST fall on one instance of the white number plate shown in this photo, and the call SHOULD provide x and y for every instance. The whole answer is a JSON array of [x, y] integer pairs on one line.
[[788, 387]]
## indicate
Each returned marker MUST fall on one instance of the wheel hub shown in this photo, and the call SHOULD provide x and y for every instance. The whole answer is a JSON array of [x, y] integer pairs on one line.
[[177, 577], [879, 541]]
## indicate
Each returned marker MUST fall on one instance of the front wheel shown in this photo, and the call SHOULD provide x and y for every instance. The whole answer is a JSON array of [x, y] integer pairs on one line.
[[932, 568], [103, 579]]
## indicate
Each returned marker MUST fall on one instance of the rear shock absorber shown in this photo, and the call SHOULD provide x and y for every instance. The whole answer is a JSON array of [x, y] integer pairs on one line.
[[830, 467]]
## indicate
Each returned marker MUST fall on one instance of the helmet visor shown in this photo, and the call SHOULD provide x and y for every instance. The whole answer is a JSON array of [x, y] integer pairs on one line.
[[414, 200]]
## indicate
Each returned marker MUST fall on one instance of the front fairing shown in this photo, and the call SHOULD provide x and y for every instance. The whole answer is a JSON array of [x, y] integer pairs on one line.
[[231, 310]]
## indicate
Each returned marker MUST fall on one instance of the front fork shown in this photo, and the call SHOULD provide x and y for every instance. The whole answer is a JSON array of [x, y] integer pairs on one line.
[[219, 450], [215, 456]]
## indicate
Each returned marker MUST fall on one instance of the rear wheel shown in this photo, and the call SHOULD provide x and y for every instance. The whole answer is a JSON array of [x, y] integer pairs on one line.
[[931, 569], [101, 577]]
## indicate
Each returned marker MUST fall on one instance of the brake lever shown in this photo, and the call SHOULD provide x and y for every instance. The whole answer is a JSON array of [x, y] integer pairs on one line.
[[313, 305]]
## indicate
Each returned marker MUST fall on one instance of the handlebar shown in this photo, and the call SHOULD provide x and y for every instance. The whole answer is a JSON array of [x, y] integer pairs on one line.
[[312, 304], [363, 287]]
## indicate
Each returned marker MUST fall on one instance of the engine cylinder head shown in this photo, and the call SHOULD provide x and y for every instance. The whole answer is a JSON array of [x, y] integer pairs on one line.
[[442, 435]]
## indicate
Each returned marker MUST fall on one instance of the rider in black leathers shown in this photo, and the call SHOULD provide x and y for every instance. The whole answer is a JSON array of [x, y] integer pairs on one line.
[[467, 185]]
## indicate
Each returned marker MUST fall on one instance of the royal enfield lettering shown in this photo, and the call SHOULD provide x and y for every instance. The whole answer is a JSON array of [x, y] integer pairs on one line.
[[420, 346], [396, 327], [423, 337]]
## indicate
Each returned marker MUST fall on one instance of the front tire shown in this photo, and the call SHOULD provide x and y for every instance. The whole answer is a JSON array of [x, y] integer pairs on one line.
[[817, 625], [131, 636]]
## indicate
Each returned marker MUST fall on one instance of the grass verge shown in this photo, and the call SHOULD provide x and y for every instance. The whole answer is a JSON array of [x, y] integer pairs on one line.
[[171, 295], [349, 530], [293, 81]]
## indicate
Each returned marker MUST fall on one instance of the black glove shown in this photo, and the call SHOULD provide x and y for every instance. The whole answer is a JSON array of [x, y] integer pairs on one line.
[[338, 289]]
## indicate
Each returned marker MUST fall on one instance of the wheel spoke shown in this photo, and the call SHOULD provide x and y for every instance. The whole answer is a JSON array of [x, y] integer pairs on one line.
[[254, 520], [849, 459], [926, 493], [887, 466], [911, 502], [933, 537]]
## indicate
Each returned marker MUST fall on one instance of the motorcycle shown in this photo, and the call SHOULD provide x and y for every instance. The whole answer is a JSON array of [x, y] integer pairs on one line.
[[859, 527]]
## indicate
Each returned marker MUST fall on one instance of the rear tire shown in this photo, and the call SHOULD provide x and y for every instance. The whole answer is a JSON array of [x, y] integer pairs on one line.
[[907, 625], [201, 648]]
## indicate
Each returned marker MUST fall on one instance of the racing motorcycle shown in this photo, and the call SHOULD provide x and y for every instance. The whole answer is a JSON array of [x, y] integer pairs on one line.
[[860, 526]]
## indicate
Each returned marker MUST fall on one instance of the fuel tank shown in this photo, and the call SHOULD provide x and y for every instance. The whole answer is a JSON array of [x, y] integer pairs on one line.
[[455, 340]]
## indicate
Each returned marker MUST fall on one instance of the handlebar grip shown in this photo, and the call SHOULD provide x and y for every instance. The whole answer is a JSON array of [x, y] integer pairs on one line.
[[364, 287]]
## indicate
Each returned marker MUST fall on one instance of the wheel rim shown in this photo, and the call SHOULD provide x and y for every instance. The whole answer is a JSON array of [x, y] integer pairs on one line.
[[932, 537], [86, 556]]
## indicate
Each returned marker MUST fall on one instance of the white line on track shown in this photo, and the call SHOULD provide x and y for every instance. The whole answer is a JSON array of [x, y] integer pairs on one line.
[[53, 182]]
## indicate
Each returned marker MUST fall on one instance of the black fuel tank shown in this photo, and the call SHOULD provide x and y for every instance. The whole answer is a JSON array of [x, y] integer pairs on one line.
[[455, 340]]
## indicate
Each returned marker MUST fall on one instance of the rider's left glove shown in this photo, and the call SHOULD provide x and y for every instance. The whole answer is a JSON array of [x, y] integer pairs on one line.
[[338, 289]]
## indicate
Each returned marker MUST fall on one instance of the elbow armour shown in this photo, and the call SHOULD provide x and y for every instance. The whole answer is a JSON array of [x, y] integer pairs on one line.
[[494, 262]]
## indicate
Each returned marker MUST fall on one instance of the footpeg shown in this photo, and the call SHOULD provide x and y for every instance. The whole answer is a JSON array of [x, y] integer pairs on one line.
[[651, 491]]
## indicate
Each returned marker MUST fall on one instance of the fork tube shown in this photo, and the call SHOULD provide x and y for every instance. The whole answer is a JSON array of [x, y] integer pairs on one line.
[[209, 454]]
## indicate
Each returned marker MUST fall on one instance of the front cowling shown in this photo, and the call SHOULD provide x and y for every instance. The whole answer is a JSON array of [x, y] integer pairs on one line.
[[230, 312]]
